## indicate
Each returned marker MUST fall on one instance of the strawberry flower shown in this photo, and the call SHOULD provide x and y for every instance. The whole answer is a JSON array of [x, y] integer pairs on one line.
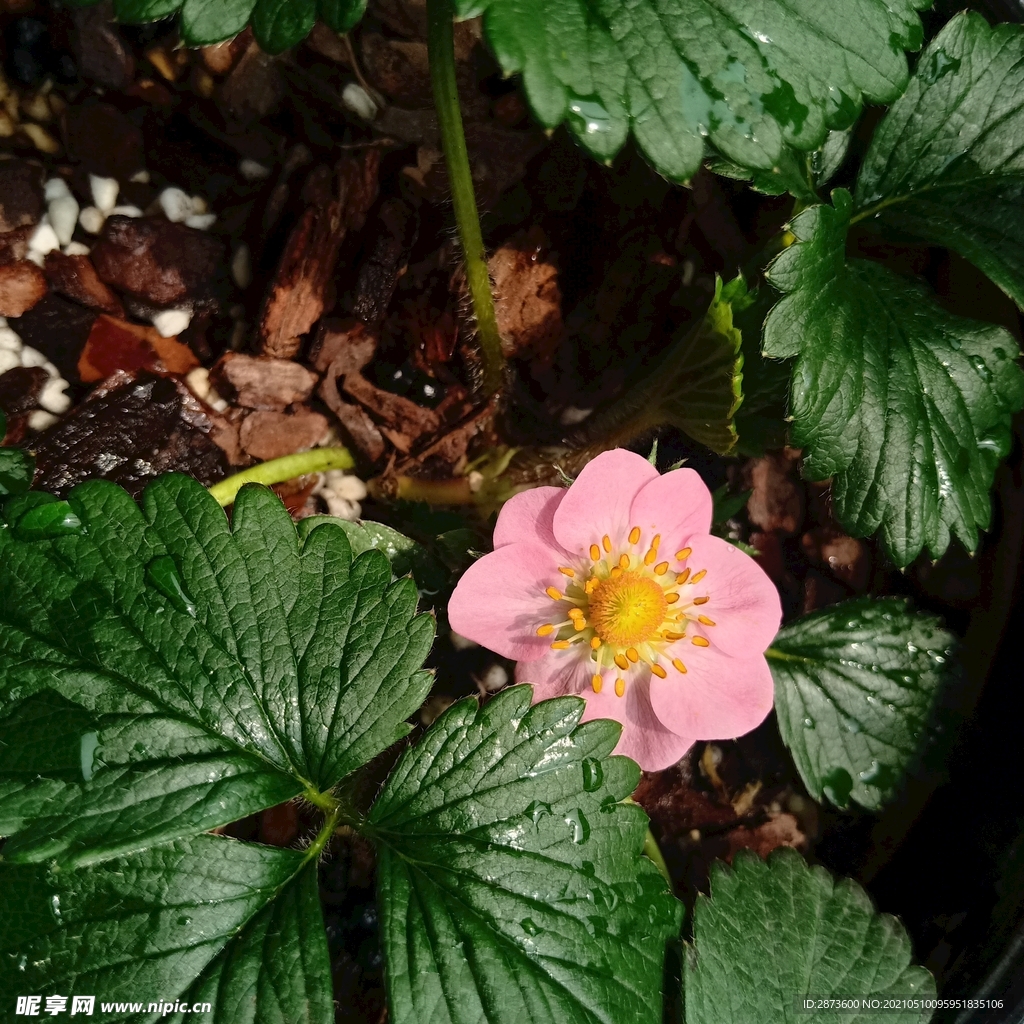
[[614, 590]]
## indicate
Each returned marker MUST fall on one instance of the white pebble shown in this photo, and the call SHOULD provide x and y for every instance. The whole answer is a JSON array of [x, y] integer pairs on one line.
[[571, 416], [198, 381], [44, 239], [8, 360], [493, 679], [53, 398], [170, 322], [56, 188], [140, 177], [359, 101], [36, 257], [32, 357], [253, 170], [76, 249], [91, 219], [9, 341], [41, 419], [63, 214], [341, 508], [351, 488], [104, 192], [176, 204], [200, 205], [126, 211], [201, 221], [462, 643], [241, 267]]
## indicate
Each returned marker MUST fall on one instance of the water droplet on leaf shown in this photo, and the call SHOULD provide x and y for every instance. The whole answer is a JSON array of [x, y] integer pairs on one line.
[[163, 574], [577, 821], [593, 774], [837, 786]]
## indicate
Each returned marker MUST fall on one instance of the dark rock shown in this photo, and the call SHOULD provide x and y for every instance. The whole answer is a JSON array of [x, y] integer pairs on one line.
[[22, 285], [21, 194], [103, 140], [20, 387], [59, 329], [101, 53], [76, 277]]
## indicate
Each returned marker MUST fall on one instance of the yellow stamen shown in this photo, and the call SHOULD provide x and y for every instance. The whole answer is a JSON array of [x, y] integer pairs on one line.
[[659, 671], [634, 535], [661, 568], [699, 641], [671, 598], [554, 594], [581, 623], [620, 687], [595, 552], [566, 571], [652, 551], [574, 613], [678, 665], [545, 630], [561, 645], [606, 543], [683, 576], [632, 654], [620, 660], [704, 620], [595, 642], [591, 585], [701, 600], [698, 576], [595, 683], [623, 561], [685, 553], [673, 637]]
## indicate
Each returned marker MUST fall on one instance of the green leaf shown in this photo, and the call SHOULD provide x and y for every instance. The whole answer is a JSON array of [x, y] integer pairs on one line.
[[342, 15], [203, 919], [855, 686], [227, 668], [947, 162], [281, 24], [752, 75], [210, 21], [790, 174], [727, 504], [775, 933], [906, 406], [17, 467], [511, 883], [138, 11]]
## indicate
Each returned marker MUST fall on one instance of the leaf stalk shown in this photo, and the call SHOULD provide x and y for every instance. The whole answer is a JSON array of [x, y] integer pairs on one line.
[[277, 471]]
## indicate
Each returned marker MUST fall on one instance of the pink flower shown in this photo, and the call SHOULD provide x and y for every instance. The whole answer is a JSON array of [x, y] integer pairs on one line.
[[614, 590]]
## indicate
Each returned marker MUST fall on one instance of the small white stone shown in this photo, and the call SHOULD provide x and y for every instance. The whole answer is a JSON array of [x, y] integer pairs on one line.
[[63, 214], [91, 219], [341, 508], [201, 221], [253, 170], [176, 204], [571, 416], [32, 357], [9, 341], [104, 192], [359, 101], [8, 360], [462, 643], [53, 398], [493, 679], [170, 322], [351, 488], [51, 369], [55, 188], [76, 249], [126, 211], [41, 419], [198, 381], [241, 267], [44, 239], [140, 177], [200, 205], [36, 257]]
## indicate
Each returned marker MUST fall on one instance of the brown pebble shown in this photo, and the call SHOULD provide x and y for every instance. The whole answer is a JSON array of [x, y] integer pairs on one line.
[[22, 285], [21, 194], [777, 500], [76, 277]]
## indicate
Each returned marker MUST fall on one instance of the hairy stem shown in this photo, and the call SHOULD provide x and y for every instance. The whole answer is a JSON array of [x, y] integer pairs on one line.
[[276, 471], [653, 853], [441, 48]]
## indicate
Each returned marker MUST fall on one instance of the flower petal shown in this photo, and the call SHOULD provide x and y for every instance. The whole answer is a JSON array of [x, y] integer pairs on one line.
[[744, 603], [643, 738], [527, 516], [500, 600], [676, 505], [599, 500], [718, 698]]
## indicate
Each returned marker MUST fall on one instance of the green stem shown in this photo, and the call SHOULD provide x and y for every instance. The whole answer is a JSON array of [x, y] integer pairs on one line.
[[276, 471], [653, 853], [441, 49], [323, 837]]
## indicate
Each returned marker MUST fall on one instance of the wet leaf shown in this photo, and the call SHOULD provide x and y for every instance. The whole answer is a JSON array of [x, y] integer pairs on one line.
[[947, 163], [774, 933], [281, 24], [341, 15], [751, 76], [511, 883], [211, 21], [904, 405], [16, 466], [855, 687], [144, 10]]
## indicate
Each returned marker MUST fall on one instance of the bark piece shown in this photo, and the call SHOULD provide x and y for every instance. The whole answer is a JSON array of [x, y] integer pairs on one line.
[[19, 389], [59, 329], [129, 430], [100, 52], [780, 829], [270, 435], [119, 345], [380, 270], [14, 244], [343, 346], [163, 263], [402, 422], [261, 382], [300, 293], [22, 285], [847, 557], [356, 421], [21, 194], [777, 499], [254, 88], [103, 140], [76, 277]]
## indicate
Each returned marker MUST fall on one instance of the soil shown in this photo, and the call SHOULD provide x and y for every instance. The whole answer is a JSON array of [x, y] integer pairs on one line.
[[324, 302]]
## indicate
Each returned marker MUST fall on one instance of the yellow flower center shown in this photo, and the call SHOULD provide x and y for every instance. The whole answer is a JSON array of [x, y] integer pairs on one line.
[[627, 610]]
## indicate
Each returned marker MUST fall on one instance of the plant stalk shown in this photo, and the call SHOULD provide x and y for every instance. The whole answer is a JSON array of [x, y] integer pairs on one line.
[[653, 853], [277, 471], [441, 50]]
